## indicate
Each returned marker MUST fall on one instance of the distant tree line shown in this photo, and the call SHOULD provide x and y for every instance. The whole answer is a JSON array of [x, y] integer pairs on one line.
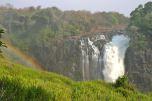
[[141, 18], [141, 26], [36, 25]]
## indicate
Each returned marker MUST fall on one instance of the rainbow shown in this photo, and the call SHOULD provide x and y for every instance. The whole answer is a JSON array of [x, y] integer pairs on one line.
[[16, 55]]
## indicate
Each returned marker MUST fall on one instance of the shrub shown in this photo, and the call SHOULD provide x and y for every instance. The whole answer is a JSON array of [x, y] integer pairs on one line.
[[1, 43], [122, 81]]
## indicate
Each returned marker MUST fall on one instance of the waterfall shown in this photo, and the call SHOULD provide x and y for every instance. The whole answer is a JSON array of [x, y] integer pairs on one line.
[[85, 60], [94, 59], [107, 62], [90, 57], [96, 51], [114, 54]]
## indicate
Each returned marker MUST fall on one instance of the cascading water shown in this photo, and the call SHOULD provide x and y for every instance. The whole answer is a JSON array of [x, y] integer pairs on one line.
[[94, 58], [85, 61], [107, 62], [114, 54], [96, 51], [90, 58]]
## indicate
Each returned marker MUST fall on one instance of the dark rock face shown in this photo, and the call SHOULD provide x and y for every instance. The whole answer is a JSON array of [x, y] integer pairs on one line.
[[60, 56], [139, 67], [64, 56]]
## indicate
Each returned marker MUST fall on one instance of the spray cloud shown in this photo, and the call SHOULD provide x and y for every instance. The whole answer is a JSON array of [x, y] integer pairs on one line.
[[114, 55]]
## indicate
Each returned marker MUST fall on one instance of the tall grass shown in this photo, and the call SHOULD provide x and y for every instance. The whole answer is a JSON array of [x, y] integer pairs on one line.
[[20, 83]]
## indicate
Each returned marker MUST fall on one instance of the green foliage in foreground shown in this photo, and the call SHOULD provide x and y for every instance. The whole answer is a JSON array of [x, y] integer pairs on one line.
[[1, 43], [19, 83], [122, 81]]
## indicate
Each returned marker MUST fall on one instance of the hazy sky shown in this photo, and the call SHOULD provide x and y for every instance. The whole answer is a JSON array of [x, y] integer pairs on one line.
[[122, 6]]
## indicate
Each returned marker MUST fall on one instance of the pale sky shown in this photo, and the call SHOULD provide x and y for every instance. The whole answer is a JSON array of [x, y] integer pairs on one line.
[[122, 6]]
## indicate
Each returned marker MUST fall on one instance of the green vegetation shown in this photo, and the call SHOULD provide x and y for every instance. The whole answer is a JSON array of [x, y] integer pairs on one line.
[[44, 33], [141, 17], [1, 43], [140, 49], [141, 26], [19, 83], [122, 81], [31, 26], [35, 26]]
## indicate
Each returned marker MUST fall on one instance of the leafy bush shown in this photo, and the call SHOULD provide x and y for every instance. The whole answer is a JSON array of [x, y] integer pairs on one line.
[[1, 43], [122, 81]]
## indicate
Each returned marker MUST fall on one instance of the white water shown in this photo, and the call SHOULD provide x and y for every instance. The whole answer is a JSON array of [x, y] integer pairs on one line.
[[114, 54], [95, 49], [85, 61], [90, 63], [112, 59]]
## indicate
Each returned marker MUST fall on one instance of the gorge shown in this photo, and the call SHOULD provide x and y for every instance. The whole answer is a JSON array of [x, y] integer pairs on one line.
[[53, 54], [83, 45]]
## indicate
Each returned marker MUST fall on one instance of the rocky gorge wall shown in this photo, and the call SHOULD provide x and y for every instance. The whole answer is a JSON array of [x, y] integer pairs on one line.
[[65, 55], [76, 58], [138, 63]]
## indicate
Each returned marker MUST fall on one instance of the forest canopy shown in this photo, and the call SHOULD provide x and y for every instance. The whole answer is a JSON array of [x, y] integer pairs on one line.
[[141, 18], [35, 25]]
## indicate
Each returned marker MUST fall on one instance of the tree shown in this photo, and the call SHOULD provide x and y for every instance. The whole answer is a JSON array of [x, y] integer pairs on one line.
[[122, 81], [1, 43], [141, 17]]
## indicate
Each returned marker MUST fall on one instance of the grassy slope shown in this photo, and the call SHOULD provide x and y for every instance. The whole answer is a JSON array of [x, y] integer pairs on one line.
[[19, 83]]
